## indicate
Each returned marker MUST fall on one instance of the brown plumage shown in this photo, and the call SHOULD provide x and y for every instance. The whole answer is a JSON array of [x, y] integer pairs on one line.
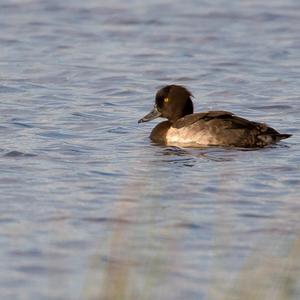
[[213, 128]]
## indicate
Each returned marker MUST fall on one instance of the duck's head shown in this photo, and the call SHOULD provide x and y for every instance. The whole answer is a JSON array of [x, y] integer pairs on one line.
[[172, 102]]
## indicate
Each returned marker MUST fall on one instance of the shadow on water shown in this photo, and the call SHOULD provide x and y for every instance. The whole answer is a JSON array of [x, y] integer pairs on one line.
[[189, 156]]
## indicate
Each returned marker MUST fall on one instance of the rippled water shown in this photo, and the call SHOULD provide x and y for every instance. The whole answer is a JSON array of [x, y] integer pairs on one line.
[[88, 205]]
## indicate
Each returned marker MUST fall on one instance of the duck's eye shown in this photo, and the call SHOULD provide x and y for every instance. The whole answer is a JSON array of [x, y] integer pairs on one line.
[[166, 100]]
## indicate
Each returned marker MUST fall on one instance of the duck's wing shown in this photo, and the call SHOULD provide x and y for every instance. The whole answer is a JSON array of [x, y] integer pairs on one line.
[[205, 116]]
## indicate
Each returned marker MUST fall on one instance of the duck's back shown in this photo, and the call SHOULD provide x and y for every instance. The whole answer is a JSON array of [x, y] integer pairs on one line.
[[216, 128]]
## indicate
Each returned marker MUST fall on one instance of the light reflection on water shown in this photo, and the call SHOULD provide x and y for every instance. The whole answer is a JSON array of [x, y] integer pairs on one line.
[[89, 205]]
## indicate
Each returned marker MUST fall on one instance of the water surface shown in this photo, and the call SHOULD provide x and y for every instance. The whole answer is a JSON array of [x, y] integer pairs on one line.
[[88, 205]]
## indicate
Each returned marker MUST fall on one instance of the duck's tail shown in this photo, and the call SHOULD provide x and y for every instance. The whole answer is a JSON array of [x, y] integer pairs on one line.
[[269, 135], [270, 138], [280, 136]]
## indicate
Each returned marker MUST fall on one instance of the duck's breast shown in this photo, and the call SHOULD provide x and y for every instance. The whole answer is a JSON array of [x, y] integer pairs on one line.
[[193, 134]]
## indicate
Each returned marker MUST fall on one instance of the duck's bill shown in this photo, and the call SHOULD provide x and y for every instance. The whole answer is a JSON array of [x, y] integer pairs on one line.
[[151, 116]]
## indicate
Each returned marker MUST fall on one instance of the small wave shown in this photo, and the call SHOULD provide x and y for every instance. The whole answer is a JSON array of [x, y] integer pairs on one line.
[[15, 153], [272, 107], [20, 124]]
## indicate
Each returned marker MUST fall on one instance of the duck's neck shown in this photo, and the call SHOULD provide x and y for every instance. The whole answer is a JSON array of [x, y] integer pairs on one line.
[[187, 109]]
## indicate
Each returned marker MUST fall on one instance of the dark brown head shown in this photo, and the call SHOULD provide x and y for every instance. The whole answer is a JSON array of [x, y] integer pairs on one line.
[[172, 102]]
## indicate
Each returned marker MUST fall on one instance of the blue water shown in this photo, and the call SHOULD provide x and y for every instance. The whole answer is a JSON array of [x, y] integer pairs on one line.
[[87, 204]]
